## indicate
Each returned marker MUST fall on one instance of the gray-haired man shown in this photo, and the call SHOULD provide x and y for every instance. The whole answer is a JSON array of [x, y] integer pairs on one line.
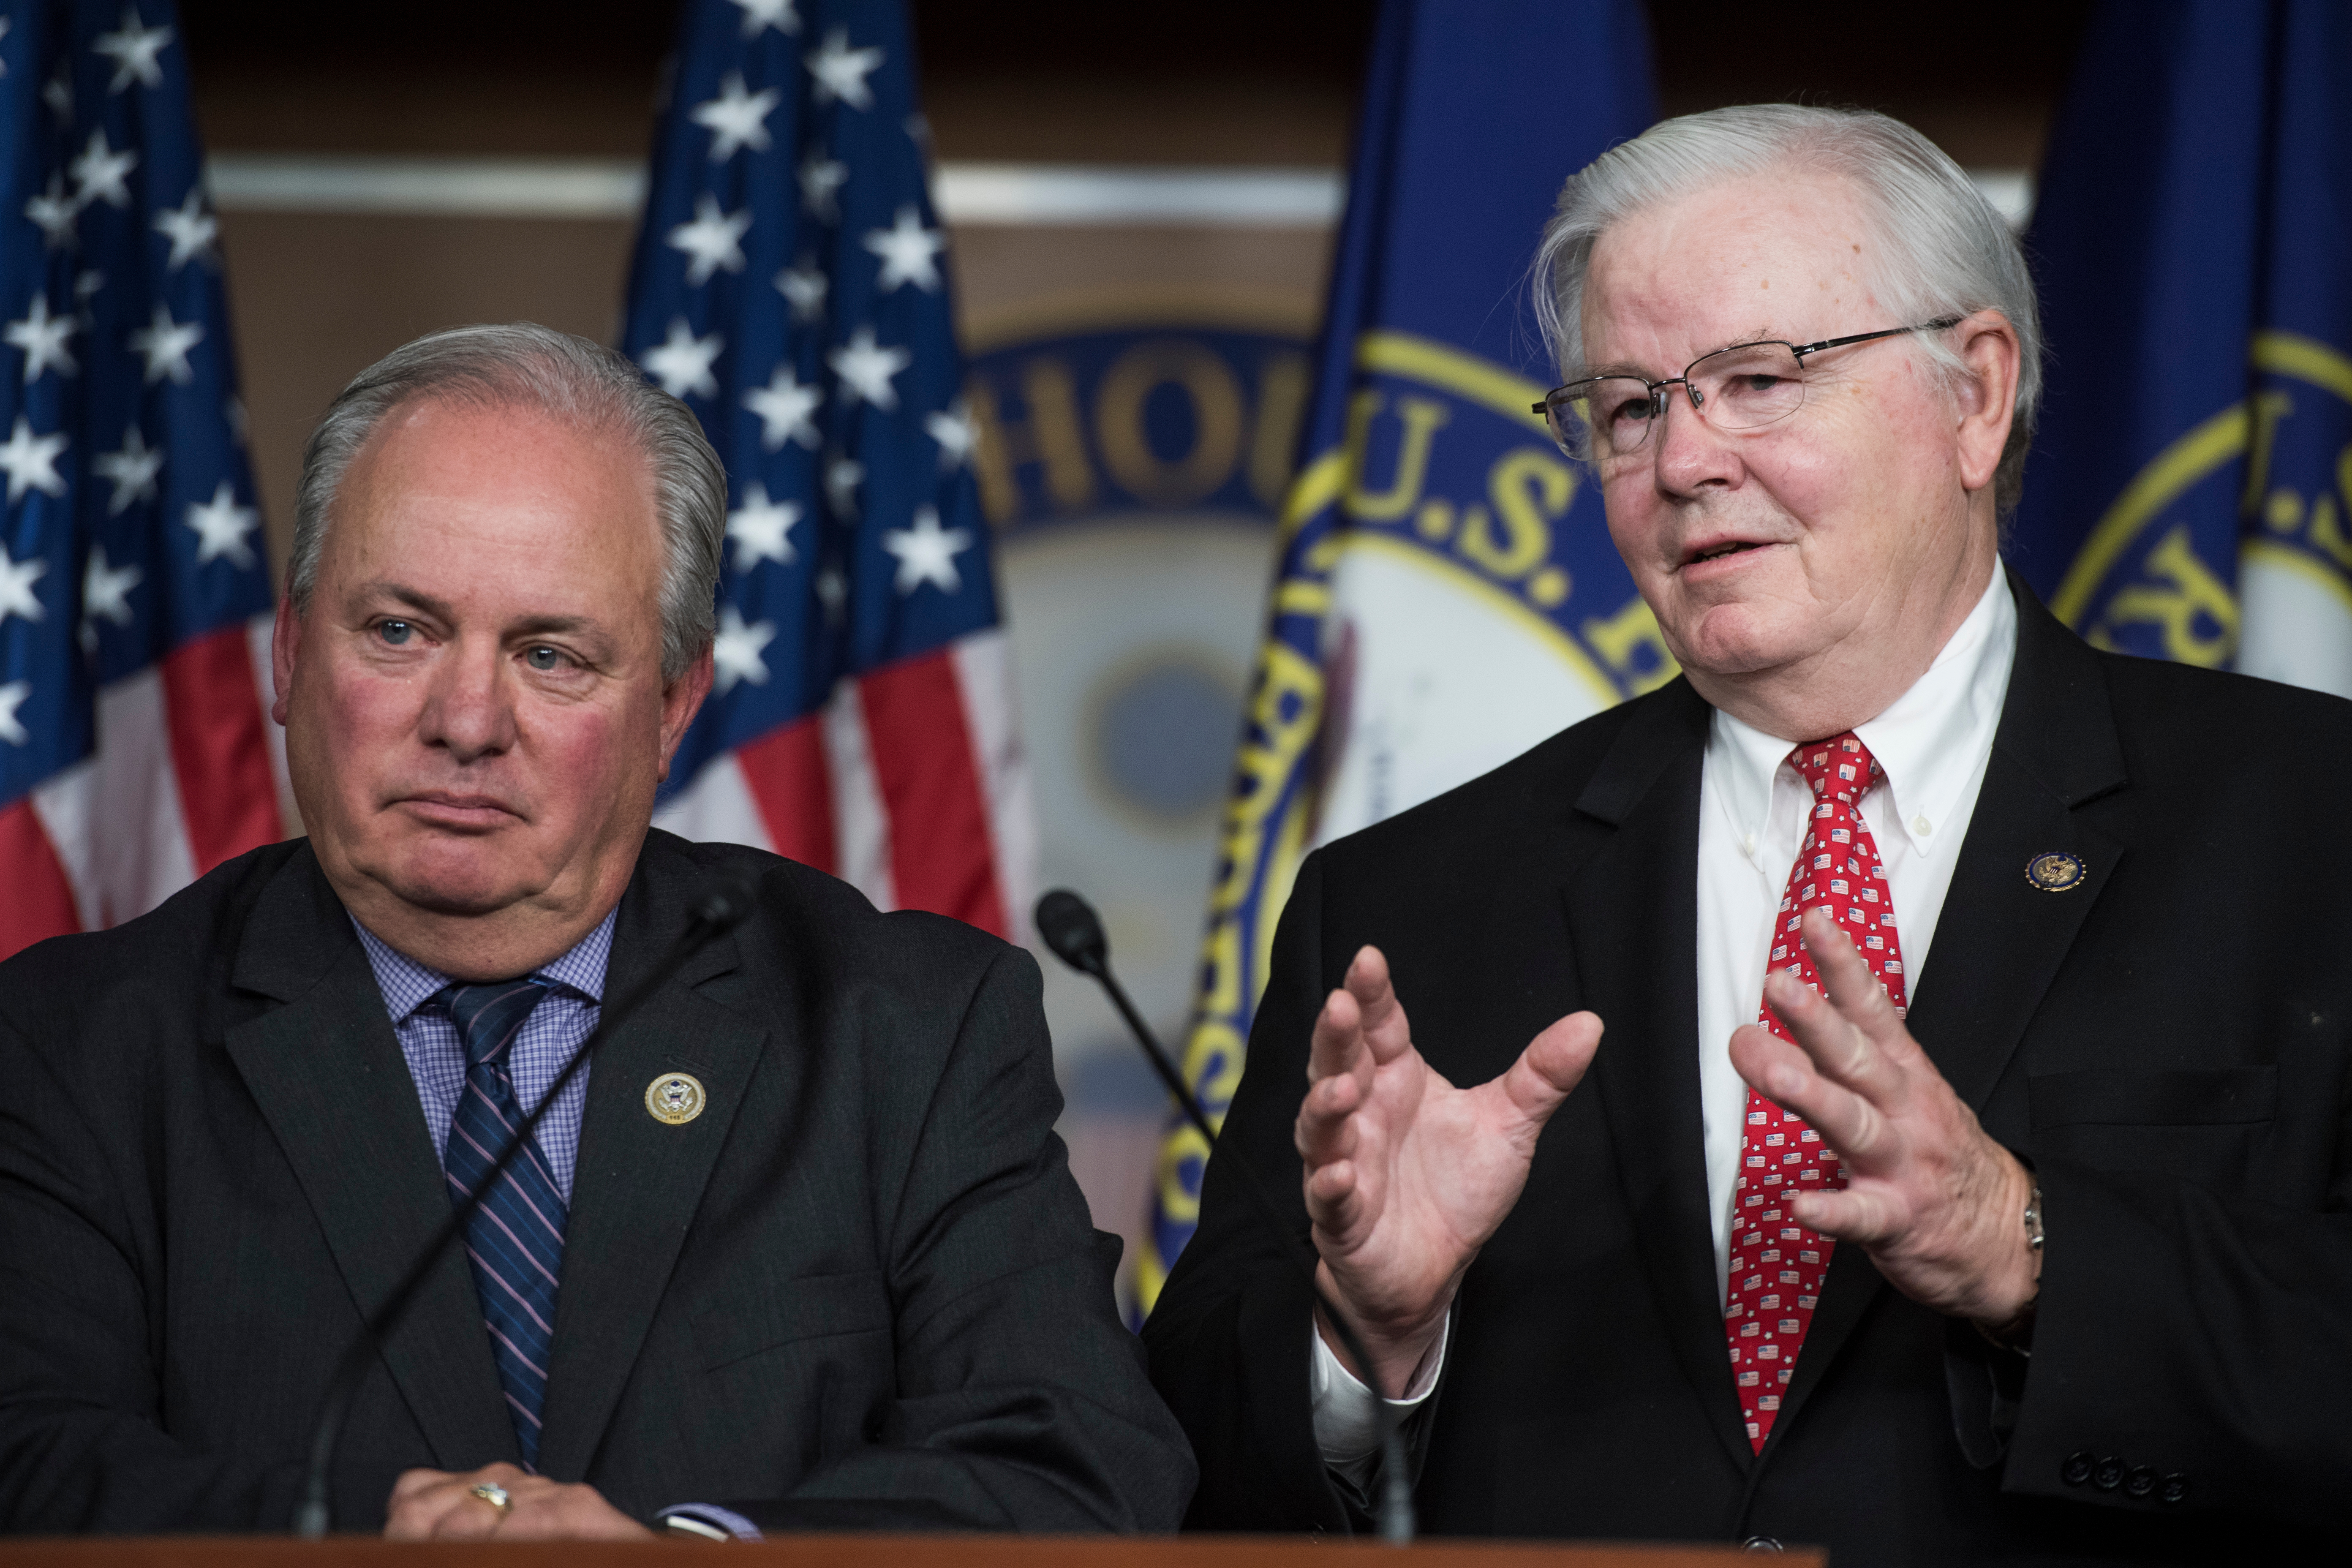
[[802, 1252], [2034, 1246]]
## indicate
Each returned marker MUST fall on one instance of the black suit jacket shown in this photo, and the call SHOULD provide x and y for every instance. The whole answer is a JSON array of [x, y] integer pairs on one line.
[[860, 1288], [2166, 1043]]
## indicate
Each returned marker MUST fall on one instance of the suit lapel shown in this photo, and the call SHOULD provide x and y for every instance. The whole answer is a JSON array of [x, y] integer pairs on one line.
[[329, 1078], [1632, 916], [2001, 939], [639, 1181]]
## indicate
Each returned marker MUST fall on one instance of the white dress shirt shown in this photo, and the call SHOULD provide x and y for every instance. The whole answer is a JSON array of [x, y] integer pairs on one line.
[[1932, 745]]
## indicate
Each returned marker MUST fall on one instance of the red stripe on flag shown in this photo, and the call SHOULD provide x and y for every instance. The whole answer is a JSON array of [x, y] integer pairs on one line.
[[942, 853], [786, 774], [39, 902], [220, 750]]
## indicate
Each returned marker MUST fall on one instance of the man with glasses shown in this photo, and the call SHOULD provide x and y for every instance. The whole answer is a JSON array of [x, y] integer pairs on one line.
[[1966, 1172]]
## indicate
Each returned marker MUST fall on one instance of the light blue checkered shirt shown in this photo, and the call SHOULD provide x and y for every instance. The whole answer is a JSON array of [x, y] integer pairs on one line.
[[556, 1028]]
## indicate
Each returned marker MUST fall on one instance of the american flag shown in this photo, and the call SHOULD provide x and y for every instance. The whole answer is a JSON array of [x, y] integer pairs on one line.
[[134, 594], [789, 286]]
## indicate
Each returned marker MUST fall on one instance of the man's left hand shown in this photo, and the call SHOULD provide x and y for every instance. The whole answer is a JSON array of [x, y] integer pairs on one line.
[[1937, 1205], [433, 1505]]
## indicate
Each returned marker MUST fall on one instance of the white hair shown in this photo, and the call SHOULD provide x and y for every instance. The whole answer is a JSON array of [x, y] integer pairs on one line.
[[580, 383], [1945, 250]]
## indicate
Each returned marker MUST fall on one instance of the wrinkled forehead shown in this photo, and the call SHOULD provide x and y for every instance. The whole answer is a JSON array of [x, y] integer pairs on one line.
[[460, 486], [1786, 255]]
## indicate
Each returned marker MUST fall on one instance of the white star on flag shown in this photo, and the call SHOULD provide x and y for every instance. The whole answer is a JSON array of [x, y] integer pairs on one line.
[[55, 212], [841, 71], [927, 551], [737, 119], [735, 651], [783, 406], [43, 338], [762, 530], [221, 526], [189, 227], [682, 362], [842, 478], [714, 239], [6, 23], [87, 283], [30, 462], [16, 579], [59, 95], [804, 287], [820, 177], [132, 472], [165, 343], [133, 52], [909, 253], [866, 368], [12, 697], [99, 172], [105, 592], [952, 428], [760, 14]]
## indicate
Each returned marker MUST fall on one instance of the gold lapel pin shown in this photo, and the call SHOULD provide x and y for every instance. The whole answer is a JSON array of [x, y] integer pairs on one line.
[[674, 1098], [2057, 872]]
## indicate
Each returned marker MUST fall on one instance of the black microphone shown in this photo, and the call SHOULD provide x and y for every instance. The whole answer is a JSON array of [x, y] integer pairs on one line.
[[1074, 933], [720, 909]]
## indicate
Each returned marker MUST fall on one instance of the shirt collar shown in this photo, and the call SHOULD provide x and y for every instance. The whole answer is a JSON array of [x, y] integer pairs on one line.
[[407, 985], [1926, 742]]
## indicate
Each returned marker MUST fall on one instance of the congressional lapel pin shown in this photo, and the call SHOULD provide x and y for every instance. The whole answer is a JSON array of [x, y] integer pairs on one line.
[[674, 1098], [2057, 872]]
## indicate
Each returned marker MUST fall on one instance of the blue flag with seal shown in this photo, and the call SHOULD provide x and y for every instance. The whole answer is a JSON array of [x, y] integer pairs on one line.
[[2189, 495], [1446, 593]]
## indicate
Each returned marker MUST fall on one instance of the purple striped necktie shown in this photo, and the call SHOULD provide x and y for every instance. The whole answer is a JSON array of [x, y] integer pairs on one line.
[[515, 1241]]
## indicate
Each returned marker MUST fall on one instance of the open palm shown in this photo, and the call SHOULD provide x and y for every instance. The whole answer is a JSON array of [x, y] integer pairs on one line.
[[1406, 1176]]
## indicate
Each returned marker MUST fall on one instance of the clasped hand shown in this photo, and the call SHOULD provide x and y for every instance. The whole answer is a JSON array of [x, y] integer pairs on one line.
[[1407, 1176], [434, 1505]]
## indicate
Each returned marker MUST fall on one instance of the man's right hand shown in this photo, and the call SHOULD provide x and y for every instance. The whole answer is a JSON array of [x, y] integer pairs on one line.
[[1406, 1176]]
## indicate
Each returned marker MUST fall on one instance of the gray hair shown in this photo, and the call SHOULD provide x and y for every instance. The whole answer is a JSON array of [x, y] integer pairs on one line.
[[1947, 251], [581, 383]]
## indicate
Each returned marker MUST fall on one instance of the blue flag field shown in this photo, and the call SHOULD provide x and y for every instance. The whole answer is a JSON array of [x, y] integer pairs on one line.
[[1447, 594], [2189, 495]]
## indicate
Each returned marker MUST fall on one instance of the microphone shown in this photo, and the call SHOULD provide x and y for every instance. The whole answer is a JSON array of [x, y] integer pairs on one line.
[[1072, 928], [721, 906]]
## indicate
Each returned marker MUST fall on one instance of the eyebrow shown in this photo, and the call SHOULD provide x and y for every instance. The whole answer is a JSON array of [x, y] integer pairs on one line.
[[1627, 367]]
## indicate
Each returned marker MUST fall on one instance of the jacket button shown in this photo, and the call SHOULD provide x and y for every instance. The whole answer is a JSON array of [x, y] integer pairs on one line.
[[2140, 1482], [2076, 1469], [2108, 1474], [1761, 1543], [2172, 1489]]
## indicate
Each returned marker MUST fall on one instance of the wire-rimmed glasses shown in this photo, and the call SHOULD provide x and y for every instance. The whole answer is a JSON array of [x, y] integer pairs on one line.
[[1744, 388]]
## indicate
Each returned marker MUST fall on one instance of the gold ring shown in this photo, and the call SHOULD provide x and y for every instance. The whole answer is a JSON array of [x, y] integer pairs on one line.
[[495, 1495]]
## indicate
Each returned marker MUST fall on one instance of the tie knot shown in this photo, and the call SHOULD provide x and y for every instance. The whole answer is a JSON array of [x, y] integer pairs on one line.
[[1839, 768], [489, 1016]]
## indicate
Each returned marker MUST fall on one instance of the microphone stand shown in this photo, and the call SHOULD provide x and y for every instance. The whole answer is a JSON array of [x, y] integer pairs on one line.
[[719, 910], [1073, 930]]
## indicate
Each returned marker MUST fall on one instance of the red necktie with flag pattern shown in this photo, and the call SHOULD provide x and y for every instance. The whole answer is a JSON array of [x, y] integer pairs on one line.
[[1777, 1265]]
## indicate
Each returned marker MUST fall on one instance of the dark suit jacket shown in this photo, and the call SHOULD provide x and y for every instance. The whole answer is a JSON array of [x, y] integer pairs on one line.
[[2166, 1043], [860, 1288]]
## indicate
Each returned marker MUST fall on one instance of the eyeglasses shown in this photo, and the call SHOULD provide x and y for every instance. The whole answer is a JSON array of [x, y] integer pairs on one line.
[[1744, 388]]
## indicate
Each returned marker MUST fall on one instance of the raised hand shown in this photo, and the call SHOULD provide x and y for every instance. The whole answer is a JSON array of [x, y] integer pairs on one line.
[[1406, 1176], [1937, 1205]]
